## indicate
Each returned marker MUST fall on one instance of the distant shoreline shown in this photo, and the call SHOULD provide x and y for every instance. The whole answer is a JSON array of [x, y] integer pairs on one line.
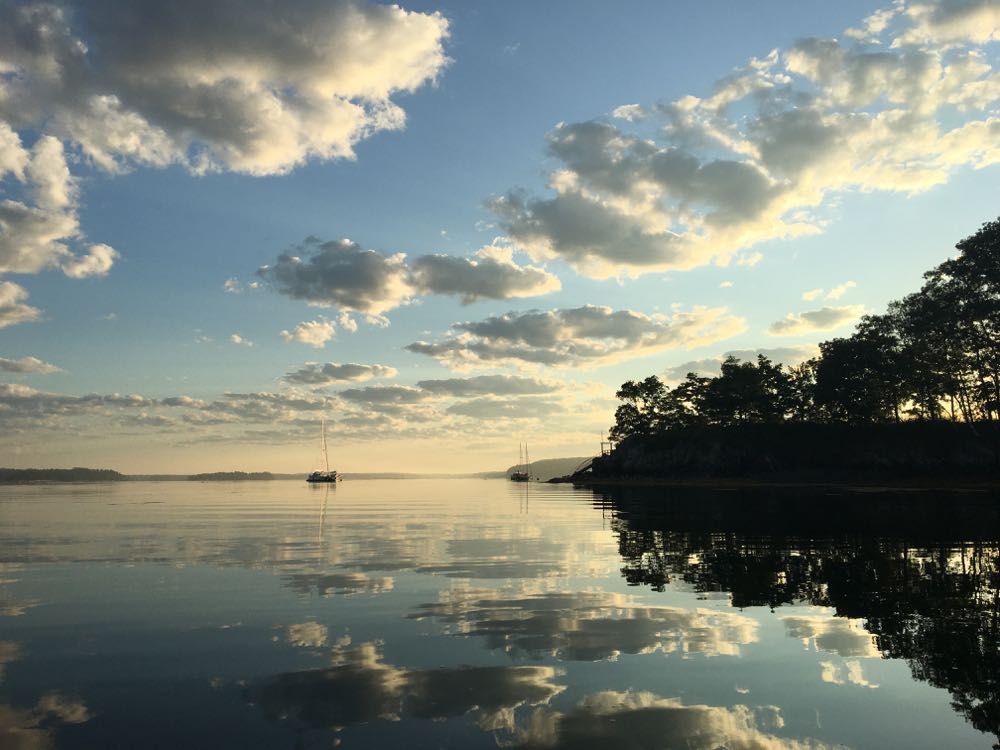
[[918, 484], [80, 475]]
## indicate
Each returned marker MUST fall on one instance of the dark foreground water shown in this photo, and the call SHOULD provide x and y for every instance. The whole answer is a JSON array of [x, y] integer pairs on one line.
[[480, 613]]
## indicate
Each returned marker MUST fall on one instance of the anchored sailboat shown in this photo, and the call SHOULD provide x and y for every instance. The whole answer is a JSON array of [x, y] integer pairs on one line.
[[326, 476], [521, 472]]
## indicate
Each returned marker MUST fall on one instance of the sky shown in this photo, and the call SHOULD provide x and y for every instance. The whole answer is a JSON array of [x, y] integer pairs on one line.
[[447, 228]]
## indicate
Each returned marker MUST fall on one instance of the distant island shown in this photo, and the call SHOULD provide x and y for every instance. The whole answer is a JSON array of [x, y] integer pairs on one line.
[[230, 476], [76, 474], [914, 392], [546, 468]]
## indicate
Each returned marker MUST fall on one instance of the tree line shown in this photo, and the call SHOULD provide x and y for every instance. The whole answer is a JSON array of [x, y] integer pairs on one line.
[[933, 355]]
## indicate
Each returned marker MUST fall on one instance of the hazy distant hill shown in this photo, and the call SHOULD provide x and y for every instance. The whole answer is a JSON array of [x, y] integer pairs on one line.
[[548, 468], [76, 474], [230, 476]]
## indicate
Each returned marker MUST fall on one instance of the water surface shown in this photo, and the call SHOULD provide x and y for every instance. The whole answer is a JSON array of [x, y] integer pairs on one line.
[[481, 613]]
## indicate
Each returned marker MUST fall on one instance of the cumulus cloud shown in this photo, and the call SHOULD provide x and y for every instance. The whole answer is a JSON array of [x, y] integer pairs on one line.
[[344, 275], [250, 87], [786, 355], [97, 262], [313, 374], [630, 112], [836, 293], [898, 106], [489, 385], [341, 274], [238, 339], [824, 319], [840, 290], [962, 21], [232, 286], [244, 86], [375, 395], [312, 332], [13, 308], [38, 209], [506, 408], [582, 336], [490, 274], [28, 365]]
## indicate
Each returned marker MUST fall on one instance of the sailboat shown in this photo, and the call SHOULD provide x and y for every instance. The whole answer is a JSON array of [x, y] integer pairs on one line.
[[520, 473], [326, 476]]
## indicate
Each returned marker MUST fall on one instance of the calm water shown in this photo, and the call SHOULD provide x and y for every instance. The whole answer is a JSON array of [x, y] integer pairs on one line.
[[480, 613]]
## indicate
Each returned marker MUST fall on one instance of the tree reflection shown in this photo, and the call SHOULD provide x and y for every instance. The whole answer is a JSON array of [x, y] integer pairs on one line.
[[921, 571]]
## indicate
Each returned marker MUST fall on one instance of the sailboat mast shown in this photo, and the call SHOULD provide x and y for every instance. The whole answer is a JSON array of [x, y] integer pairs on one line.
[[326, 458], [527, 461]]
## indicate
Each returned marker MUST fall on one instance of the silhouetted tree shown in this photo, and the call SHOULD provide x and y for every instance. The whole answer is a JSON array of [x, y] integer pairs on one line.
[[934, 354]]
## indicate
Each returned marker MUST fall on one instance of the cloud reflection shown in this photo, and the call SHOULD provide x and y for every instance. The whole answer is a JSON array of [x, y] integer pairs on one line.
[[627, 720], [359, 687], [33, 728], [328, 584], [9, 651], [834, 635], [588, 625]]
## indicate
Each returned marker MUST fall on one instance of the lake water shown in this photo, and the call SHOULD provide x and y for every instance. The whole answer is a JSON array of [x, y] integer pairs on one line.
[[483, 613]]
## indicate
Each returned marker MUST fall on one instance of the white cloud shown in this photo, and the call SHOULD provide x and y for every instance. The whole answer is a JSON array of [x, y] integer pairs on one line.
[[762, 156], [583, 336], [630, 112], [97, 262], [344, 275], [840, 290], [13, 308], [312, 332], [39, 224], [812, 294], [28, 365], [347, 323], [749, 259], [238, 339], [313, 374], [961, 21], [490, 274], [726, 285], [824, 319], [232, 286], [242, 86], [489, 385], [785, 355], [245, 86]]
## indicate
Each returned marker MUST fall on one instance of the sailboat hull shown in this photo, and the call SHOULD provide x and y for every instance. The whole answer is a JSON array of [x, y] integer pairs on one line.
[[322, 477]]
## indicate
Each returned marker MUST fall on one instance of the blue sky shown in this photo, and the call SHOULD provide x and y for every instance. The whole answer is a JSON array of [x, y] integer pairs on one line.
[[840, 150]]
